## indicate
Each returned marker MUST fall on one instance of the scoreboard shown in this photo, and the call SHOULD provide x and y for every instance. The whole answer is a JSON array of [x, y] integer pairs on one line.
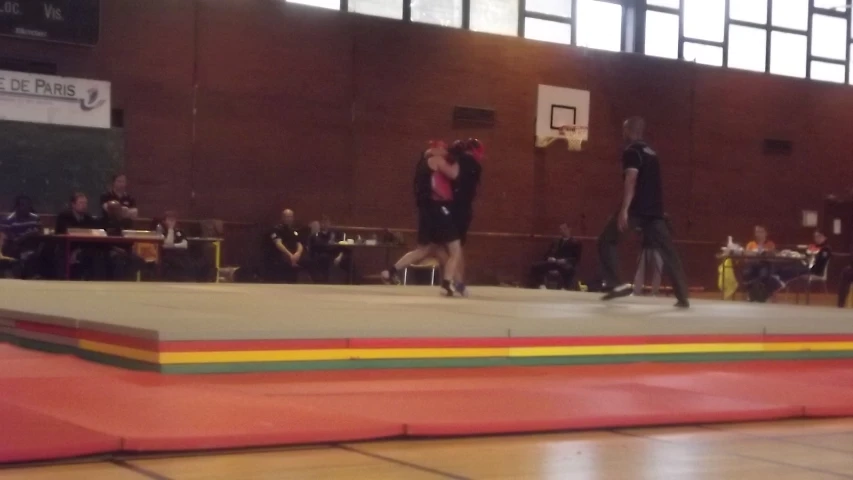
[[66, 21]]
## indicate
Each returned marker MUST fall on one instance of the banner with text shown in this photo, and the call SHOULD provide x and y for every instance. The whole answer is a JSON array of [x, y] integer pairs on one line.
[[27, 97]]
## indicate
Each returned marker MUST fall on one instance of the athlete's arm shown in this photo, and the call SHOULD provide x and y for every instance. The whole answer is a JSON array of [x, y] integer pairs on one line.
[[627, 196], [440, 164]]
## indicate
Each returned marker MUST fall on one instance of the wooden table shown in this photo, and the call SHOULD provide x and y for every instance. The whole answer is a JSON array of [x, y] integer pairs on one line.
[[68, 239], [741, 259]]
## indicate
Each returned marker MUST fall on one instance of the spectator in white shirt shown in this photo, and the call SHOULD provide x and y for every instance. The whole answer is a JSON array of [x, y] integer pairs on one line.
[[178, 264]]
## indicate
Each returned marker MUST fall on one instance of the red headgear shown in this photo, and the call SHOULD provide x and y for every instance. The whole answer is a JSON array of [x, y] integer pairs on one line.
[[477, 149]]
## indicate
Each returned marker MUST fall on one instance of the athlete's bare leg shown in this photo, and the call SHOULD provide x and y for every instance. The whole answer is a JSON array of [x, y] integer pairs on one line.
[[410, 258], [459, 276], [454, 250]]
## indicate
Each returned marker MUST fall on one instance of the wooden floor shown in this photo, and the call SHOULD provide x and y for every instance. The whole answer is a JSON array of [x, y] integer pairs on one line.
[[813, 449]]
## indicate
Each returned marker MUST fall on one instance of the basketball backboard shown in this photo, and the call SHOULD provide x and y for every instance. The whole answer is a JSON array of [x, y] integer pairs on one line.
[[558, 107]]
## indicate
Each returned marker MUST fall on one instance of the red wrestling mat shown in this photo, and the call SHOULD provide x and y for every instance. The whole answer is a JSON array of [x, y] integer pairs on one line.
[[56, 406]]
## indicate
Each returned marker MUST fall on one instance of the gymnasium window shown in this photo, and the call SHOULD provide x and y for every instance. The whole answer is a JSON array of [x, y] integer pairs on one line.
[[829, 4], [705, 20], [788, 54], [447, 13], [549, 20], [796, 38], [378, 8], [828, 72], [661, 34], [495, 16], [547, 31], [330, 4], [747, 48], [793, 14], [752, 11], [704, 54], [599, 25], [557, 8], [664, 3], [829, 37]]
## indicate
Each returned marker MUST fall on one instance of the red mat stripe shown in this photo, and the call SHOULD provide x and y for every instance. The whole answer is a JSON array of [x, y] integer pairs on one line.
[[46, 328], [81, 409], [121, 340], [809, 338], [242, 345], [209, 345]]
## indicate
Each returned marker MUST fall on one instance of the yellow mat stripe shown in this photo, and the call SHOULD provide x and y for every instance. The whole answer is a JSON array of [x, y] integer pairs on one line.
[[635, 349], [422, 353]]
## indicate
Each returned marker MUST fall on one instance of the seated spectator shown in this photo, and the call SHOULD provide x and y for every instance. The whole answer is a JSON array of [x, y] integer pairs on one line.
[[818, 255], [562, 258], [9, 266], [761, 244], [23, 229], [83, 256], [174, 236], [118, 193], [76, 216], [178, 262], [284, 251], [758, 274], [324, 252], [121, 263]]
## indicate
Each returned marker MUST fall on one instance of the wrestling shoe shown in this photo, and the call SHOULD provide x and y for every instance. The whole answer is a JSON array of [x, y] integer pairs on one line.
[[447, 289], [682, 304], [461, 289], [389, 278], [620, 291]]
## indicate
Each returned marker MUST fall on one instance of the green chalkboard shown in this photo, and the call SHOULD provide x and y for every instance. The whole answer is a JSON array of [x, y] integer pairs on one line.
[[50, 162]]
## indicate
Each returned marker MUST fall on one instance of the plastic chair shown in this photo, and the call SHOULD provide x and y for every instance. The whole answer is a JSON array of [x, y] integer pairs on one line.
[[810, 279], [429, 264]]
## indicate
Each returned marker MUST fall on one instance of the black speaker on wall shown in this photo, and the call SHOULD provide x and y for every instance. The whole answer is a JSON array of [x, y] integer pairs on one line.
[[772, 146], [473, 116]]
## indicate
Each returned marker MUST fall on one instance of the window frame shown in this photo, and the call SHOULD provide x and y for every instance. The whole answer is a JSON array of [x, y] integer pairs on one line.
[[633, 28], [524, 14], [768, 27]]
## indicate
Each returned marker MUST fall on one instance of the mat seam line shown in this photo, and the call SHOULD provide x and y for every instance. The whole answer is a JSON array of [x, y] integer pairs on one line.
[[403, 463], [740, 455], [139, 470]]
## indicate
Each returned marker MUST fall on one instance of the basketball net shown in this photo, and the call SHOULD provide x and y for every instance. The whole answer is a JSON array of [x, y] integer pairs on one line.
[[573, 135]]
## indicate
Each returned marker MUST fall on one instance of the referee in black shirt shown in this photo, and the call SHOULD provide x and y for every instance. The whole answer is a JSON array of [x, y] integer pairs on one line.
[[642, 208]]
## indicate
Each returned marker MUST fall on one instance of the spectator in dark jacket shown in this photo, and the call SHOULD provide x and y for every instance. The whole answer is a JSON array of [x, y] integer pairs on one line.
[[562, 258]]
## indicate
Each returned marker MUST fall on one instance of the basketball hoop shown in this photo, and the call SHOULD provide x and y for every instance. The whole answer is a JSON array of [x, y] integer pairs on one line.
[[574, 136]]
